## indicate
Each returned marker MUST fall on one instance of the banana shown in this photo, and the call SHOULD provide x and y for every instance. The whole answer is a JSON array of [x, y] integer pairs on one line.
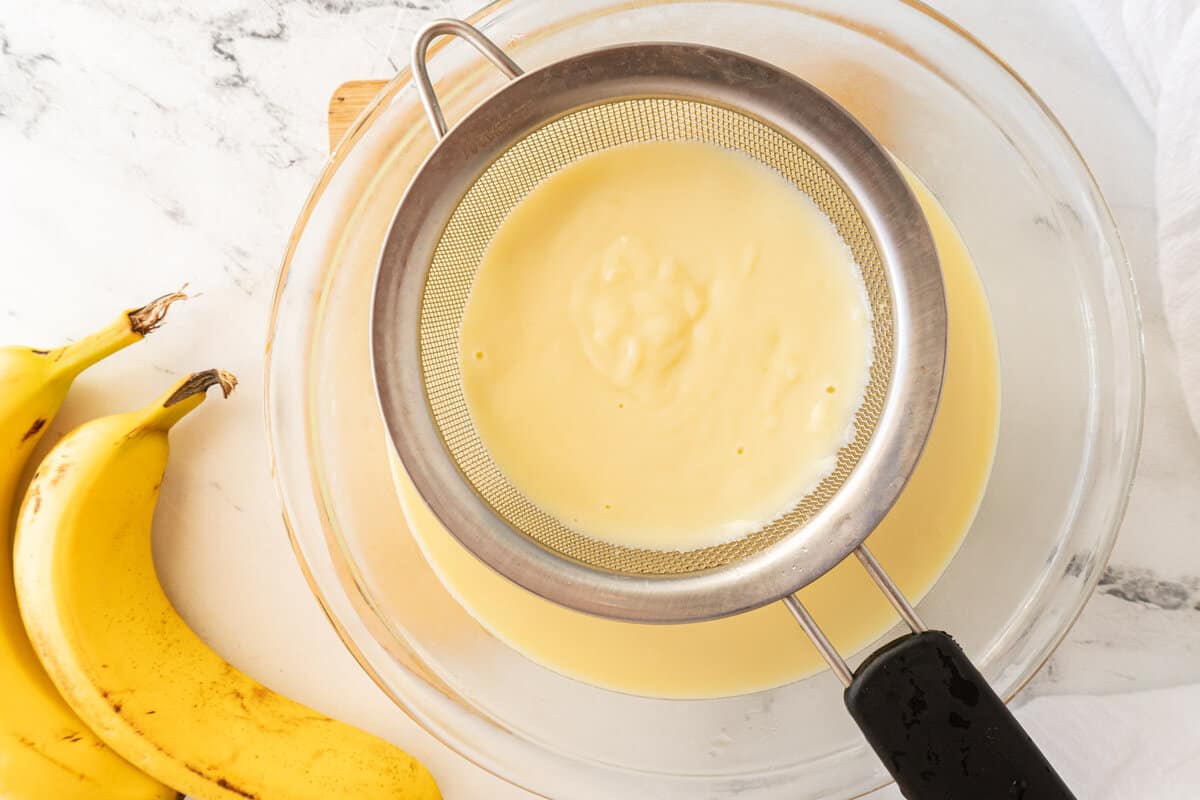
[[130, 666], [46, 751]]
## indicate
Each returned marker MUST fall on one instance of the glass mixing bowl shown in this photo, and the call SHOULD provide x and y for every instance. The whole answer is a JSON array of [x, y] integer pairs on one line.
[[1071, 378]]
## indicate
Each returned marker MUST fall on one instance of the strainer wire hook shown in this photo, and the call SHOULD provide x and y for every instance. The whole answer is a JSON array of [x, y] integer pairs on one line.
[[420, 49]]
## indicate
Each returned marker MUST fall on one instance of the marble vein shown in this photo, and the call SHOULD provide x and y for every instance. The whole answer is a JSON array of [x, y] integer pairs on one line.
[[344, 7], [1136, 585], [24, 80]]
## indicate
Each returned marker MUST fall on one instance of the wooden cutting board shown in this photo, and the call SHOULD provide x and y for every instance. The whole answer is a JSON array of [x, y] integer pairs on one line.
[[347, 103]]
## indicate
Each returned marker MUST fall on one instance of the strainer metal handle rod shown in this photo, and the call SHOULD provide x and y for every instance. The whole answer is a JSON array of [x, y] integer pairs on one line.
[[896, 597], [929, 714], [890, 590], [828, 652], [420, 68]]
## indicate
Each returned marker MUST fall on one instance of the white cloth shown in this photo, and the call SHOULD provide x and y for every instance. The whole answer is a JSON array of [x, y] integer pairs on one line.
[[1154, 47], [1140, 746]]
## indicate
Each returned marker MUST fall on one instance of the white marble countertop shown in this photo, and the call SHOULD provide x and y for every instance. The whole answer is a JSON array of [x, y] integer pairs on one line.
[[145, 143]]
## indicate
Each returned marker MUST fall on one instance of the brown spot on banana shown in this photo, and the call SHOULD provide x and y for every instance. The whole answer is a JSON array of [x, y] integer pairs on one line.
[[224, 784], [60, 470], [37, 425], [25, 741], [241, 698], [37, 352]]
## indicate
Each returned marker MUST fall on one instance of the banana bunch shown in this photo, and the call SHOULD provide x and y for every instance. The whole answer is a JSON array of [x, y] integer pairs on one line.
[[46, 750], [128, 690]]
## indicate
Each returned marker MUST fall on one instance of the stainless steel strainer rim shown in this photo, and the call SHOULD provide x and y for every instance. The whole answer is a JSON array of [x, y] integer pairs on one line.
[[780, 100]]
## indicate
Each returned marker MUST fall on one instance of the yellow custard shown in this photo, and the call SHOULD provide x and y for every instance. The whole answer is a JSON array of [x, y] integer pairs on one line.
[[665, 345], [765, 648]]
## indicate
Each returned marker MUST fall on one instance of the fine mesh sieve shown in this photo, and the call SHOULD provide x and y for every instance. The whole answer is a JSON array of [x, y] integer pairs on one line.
[[504, 184], [534, 126], [939, 728]]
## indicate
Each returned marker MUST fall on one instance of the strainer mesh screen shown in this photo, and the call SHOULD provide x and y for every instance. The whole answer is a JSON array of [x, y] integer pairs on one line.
[[504, 184]]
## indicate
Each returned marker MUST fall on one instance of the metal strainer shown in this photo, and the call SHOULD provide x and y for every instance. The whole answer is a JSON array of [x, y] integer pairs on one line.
[[548, 118], [538, 124]]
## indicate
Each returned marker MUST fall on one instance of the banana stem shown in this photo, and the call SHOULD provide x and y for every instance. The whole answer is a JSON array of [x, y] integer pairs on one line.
[[130, 327], [147, 318], [186, 396]]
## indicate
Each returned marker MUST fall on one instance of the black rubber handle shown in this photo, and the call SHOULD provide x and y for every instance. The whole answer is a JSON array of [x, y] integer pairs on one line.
[[941, 730]]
